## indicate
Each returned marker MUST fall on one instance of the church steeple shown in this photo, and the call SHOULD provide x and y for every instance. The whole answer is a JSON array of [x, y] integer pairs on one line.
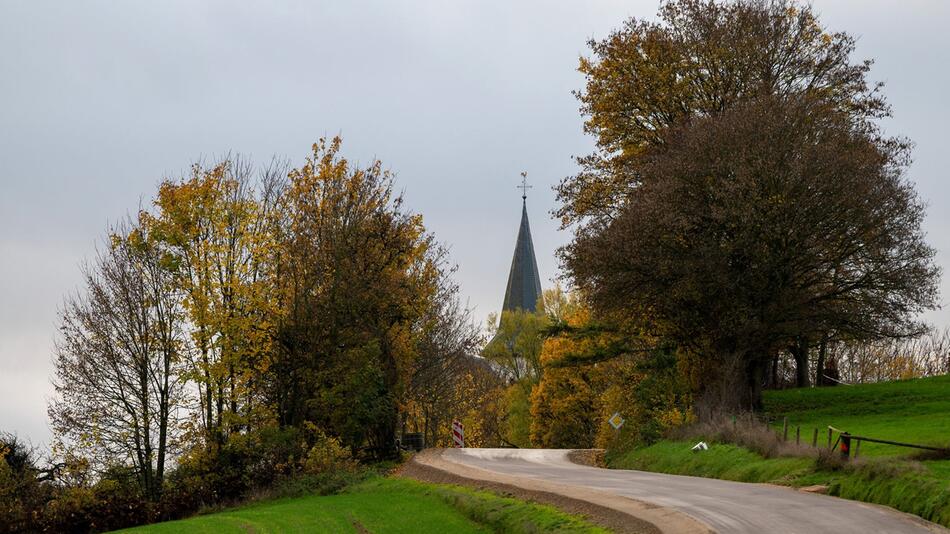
[[524, 283]]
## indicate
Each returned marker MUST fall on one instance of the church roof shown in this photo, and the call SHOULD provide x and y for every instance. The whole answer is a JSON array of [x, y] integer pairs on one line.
[[524, 284]]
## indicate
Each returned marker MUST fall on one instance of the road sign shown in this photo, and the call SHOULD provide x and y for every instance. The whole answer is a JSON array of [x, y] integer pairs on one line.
[[616, 421], [458, 434]]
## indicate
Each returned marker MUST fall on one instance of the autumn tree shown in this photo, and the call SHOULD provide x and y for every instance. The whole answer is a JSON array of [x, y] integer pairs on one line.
[[446, 380], [24, 487], [594, 367], [565, 404], [119, 379], [218, 226], [774, 221], [514, 350], [515, 343], [468, 391], [771, 92], [701, 58], [357, 274]]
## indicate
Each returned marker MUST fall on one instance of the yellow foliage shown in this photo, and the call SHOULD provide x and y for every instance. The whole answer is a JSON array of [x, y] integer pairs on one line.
[[565, 404]]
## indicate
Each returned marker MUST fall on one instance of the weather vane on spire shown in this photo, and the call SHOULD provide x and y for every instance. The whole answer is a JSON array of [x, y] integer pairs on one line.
[[524, 185]]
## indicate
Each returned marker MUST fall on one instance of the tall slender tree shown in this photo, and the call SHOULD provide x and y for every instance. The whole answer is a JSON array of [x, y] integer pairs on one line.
[[119, 382], [217, 227]]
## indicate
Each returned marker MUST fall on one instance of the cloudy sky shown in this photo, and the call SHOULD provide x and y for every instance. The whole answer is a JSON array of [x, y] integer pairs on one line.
[[100, 100]]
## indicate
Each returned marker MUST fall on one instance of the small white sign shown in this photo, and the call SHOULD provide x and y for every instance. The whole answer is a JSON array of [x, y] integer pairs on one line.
[[701, 446], [616, 421]]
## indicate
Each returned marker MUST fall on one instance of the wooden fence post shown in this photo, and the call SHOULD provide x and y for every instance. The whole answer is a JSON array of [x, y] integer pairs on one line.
[[798, 435], [785, 429], [814, 439], [829, 439], [845, 445], [857, 448]]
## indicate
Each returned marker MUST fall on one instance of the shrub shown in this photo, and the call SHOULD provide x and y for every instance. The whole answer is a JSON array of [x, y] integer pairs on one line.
[[327, 455], [207, 475], [829, 460], [266, 463], [108, 505], [22, 494], [13, 512], [651, 394]]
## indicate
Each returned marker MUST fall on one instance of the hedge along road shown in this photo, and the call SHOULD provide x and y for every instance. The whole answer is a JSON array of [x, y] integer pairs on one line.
[[677, 504]]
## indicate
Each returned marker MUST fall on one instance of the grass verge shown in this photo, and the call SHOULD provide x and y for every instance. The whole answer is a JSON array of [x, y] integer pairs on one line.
[[385, 505], [506, 514]]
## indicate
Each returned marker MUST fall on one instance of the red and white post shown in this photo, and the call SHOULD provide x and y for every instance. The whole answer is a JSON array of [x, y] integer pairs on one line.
[[458, 434]]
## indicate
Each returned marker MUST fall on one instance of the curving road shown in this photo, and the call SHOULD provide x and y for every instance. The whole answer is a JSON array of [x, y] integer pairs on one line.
[[723, 506]]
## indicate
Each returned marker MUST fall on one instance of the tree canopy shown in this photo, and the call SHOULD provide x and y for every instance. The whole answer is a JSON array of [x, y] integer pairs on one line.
[[742, 199]]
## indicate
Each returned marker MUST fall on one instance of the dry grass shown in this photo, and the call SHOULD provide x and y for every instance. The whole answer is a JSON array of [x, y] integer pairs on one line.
[[745, 431]]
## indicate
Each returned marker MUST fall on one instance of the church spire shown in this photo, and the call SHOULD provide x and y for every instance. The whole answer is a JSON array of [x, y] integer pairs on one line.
[[524, 283]]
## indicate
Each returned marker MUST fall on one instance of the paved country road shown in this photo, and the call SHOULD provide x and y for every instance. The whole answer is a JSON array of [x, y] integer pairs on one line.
[[720, 505]]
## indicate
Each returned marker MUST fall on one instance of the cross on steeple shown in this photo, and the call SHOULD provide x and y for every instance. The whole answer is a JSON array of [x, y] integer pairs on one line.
[[524, 185]]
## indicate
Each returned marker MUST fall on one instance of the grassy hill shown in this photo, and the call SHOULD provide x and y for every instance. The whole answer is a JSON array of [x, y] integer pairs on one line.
[[914, 411], [383, 506]]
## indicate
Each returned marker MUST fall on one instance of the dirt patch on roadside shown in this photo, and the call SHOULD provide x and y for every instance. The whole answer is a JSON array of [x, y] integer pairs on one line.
[[588, 457], [601, 515]]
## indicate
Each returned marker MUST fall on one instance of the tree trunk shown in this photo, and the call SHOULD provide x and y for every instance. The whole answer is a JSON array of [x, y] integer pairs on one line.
[[800, 353], [773, 378], [751, 399], [820, 365]]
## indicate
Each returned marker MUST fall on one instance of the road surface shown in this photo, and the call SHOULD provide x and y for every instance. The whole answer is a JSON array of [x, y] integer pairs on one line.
[[719, 505]]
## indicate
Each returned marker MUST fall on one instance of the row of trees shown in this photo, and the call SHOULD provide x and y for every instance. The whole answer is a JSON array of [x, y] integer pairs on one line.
[[873, 361], [743, 223], [246, 302], [567, 372]]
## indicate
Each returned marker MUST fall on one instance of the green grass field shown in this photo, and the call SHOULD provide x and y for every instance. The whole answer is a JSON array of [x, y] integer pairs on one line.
[[915, 411], [384, 505]]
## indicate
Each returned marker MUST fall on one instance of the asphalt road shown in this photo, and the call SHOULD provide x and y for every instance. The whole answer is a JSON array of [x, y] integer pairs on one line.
[[724, 506]]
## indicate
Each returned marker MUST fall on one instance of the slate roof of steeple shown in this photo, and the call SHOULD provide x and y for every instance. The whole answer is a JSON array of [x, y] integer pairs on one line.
[[524, 284]]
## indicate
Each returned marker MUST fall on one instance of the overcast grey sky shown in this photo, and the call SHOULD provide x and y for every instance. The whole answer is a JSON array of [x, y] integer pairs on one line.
[[100, 100]]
